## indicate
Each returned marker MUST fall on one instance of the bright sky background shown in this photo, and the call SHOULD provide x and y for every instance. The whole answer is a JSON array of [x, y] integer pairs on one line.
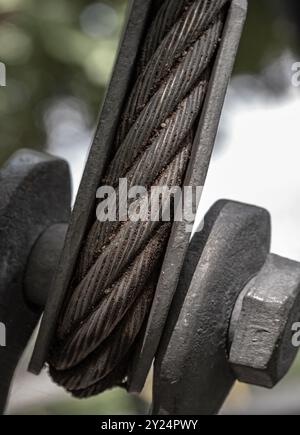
[[259, 162]]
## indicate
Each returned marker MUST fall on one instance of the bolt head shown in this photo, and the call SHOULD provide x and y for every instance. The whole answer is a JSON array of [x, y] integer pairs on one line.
[[262, 350]]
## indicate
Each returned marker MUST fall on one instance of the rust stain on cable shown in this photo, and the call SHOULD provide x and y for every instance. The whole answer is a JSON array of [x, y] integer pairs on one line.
[[118, 268]]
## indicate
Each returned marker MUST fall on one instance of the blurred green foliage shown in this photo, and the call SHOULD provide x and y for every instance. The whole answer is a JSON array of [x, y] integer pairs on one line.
[[266, 35], [59, 48], [49, 55]]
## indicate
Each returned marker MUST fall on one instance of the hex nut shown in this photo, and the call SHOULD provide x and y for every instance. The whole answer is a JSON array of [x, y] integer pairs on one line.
[[262, 351]]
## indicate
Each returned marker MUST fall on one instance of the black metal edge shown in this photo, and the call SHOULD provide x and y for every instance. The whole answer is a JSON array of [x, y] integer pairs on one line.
[[192, 374], [196, 175], [26, 212], [134, 29]]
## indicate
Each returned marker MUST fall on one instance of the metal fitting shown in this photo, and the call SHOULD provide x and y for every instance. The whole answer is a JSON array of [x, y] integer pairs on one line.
[[35, 199], [261, 330]]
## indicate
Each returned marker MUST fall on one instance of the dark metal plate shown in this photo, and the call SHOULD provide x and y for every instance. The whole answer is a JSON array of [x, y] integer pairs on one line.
[[198, 167], [192, 372], [35, 194], [99, 156]]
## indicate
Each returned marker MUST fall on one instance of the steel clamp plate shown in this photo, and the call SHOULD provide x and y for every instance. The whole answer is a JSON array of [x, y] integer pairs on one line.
[[139, 16]]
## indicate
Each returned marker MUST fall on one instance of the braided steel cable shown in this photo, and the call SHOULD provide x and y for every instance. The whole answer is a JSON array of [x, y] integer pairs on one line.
[[118, 267]]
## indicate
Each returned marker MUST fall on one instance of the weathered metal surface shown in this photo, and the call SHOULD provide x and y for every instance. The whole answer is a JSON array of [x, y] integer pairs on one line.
[[99, 156], [101, 150], [202, 149], [110, 295], [35, 194], [192, 373], [262, 351], [42, 264]]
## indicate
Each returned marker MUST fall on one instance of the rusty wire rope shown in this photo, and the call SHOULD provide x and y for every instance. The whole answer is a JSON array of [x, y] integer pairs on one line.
[[117, 271]]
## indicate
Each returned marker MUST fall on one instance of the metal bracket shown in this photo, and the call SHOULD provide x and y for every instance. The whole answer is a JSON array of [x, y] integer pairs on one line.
[[192, 371], [196, 176], [139, 16], [232, 315], [35, 194]]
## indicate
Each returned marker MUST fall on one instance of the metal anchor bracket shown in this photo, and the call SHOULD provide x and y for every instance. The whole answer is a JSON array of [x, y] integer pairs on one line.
[[100, 153], [231, 317], [35, 198]]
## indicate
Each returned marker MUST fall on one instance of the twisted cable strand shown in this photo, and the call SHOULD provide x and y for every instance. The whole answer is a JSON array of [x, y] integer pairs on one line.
[[153, 121], [109, 299], [114, 305], [102, 361], [124, 247], [167, 16], [165, 145], [183, 34], [164, 102], [169, 13]]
